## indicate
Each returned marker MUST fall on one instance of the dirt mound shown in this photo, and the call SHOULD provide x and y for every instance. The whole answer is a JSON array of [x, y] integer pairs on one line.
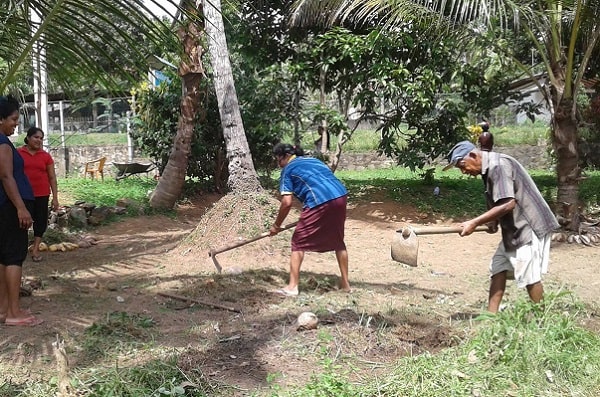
[[233, 217]]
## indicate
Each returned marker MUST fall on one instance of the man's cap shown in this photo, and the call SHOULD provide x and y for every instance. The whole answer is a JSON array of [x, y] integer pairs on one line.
[[458, 152]]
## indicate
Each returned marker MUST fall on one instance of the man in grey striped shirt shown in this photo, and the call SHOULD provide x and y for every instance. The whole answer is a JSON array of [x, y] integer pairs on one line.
[[526, 220]]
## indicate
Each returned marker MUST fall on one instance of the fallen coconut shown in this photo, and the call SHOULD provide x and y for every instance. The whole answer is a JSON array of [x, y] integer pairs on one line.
[[559, 237], [70, 246], [84, 244], [307, 320]]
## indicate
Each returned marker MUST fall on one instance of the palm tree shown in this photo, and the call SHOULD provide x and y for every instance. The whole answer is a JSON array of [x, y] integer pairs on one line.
[[65, 25], [170, 185], [71, 33], [242, 175], [565, 34]]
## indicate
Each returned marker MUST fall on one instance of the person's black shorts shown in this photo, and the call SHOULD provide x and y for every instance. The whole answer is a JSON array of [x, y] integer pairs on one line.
[[13, 239], [40, 216]]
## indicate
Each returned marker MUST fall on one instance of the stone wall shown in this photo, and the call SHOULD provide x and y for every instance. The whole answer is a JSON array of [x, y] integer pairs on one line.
[[72, 160], [531, 156], [362, 161]]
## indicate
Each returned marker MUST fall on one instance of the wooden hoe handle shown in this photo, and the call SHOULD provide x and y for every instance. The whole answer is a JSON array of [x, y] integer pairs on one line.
[[214, 252], [438, 230]]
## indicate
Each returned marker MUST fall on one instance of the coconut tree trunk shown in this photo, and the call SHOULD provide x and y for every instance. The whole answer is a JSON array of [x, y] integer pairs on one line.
[[568, 172], [564, 142], [242, 174], [323, 128], [170, 185]]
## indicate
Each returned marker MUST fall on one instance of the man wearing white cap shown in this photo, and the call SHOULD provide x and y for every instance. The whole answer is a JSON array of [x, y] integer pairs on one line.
[[526, 220]]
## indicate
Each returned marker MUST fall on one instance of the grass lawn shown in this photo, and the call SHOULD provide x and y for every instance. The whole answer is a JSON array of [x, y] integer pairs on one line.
[[368, 140], [87, 139], [362, 140], [524, 351]]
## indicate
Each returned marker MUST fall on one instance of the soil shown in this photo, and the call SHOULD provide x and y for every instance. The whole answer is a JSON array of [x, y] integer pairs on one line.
[[236, 331]]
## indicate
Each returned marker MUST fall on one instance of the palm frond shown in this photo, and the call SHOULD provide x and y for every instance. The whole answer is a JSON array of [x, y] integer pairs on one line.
[[81, 38]]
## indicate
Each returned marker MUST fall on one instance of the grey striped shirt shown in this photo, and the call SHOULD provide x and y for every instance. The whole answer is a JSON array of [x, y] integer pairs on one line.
[[505, 178]]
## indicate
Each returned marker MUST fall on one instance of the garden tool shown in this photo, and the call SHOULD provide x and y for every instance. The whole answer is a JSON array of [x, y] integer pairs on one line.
[[405, 244], [213, 252]]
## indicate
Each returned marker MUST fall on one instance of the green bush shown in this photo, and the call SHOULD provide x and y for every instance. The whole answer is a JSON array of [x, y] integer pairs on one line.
[[156, 122]]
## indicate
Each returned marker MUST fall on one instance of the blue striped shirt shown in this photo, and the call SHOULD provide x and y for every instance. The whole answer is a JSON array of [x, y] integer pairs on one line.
[[311, 181]]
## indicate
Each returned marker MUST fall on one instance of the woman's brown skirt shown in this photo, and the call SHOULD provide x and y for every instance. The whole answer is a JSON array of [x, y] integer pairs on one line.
[[321, 229]]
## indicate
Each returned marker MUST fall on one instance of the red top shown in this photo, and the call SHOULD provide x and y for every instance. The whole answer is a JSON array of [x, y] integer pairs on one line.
[[36, 169]]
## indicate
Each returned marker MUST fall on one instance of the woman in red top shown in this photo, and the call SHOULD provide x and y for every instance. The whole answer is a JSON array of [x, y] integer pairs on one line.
[[39, 168]]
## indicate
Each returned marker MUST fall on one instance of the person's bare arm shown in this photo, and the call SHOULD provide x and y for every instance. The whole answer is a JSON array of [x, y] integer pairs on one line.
[[10, 186], [53, 185], [491, 216], [284, 210]]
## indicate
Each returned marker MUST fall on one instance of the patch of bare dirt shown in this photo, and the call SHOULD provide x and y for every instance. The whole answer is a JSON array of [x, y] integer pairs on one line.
[[234, 329]]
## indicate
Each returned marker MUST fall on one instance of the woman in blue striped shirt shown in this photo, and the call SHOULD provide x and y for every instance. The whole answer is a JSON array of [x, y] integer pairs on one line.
[[321, 224]]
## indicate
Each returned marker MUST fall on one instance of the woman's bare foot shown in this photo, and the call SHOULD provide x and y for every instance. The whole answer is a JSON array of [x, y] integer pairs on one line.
[[344, 287], [22, 318], [286, 292]]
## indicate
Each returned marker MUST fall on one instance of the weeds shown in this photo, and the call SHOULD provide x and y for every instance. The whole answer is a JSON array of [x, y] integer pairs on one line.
[[117, 329], [331, 381], [105, 193], [9, 389], [156, 378], [55, 236], [526, 350]]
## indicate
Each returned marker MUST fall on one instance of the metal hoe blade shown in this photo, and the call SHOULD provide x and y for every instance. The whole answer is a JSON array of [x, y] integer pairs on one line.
[[405, 244], [405, 247]]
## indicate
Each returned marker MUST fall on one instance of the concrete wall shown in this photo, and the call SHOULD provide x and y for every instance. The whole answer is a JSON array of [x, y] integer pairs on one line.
[[362, 161], [531, 156], [72, 161]]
